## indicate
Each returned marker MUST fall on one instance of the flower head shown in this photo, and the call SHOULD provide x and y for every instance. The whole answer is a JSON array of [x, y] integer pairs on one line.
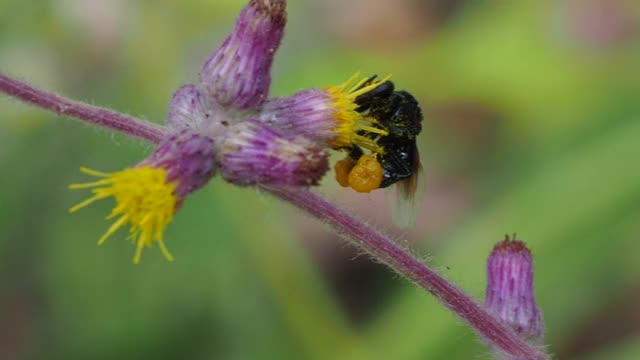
[[237, 76], [188, 109], [148, 195], [253, 153], [510, 294], [329, 116]]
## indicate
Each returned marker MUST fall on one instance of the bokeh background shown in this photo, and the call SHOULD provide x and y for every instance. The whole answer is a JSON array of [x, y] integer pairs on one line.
[[532, 125]]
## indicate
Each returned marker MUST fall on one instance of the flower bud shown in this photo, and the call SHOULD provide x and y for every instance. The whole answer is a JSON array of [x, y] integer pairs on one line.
[[252, 153], [509, 294], [188, 159], [186, 109], [237, 76]]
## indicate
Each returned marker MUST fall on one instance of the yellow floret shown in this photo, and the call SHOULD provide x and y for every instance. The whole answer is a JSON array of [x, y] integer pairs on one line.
[[145, 201], [349, 121]]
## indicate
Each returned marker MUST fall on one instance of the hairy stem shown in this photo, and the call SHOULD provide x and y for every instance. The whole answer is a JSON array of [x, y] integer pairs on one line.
[[91, 114], [498, 336]]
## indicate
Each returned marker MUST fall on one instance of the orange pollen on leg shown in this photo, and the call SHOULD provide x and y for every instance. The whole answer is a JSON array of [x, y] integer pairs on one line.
[[343, 168], [366, 175]]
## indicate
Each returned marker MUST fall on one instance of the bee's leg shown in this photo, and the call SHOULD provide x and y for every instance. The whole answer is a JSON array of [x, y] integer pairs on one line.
[[354, 152]]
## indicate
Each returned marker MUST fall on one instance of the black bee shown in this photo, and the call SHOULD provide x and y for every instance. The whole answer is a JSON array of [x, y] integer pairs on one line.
[[397, 112]]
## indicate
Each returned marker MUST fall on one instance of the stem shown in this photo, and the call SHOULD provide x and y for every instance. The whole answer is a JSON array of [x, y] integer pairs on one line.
[[497, 335], [92, 114]]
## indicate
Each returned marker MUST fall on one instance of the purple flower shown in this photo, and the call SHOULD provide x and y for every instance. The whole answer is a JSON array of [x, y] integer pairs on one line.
[[188, 158], [509, 293], [328, 116], [252, 153], [187, 109], [148, 195], [237, 76]]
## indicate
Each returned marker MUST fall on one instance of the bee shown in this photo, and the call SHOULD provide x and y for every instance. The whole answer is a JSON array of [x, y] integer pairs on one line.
[[398, 113]]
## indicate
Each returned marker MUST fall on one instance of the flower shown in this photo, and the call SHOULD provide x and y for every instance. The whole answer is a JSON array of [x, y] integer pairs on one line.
[[187, 109], [329, 116], [252, 153], [148, 195], [238, 74], [509, 294]]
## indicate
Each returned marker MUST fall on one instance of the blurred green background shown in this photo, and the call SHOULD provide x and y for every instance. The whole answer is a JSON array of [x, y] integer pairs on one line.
[[532, 125]]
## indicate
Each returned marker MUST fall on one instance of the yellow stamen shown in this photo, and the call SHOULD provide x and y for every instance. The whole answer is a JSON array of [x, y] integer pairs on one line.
[[113, 228], [89, 185], [94, 172], [85, 203], [349, 121], [145, 200]]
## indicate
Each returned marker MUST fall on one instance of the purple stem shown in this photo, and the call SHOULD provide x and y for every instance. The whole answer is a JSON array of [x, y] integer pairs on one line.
[[92, 114], [498, 336]]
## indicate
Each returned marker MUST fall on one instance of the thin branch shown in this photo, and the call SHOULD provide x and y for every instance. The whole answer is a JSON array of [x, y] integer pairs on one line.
[[498, 336], [91, 114]]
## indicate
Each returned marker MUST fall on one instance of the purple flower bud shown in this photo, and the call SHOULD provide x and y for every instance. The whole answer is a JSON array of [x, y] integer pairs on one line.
[[188, 157], [510, 288], [237, 76], [186, 109], [252, 153]]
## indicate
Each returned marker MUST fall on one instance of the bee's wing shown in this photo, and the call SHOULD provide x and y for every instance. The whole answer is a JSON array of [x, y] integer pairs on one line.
[[405, 198]]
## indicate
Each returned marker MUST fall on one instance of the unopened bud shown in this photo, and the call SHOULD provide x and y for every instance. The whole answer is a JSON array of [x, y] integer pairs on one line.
[[509, 294]]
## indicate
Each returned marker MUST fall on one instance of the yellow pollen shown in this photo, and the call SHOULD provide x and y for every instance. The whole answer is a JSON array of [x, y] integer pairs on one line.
[[349, 121], [366, 175], [343, 168], [144, 200]]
